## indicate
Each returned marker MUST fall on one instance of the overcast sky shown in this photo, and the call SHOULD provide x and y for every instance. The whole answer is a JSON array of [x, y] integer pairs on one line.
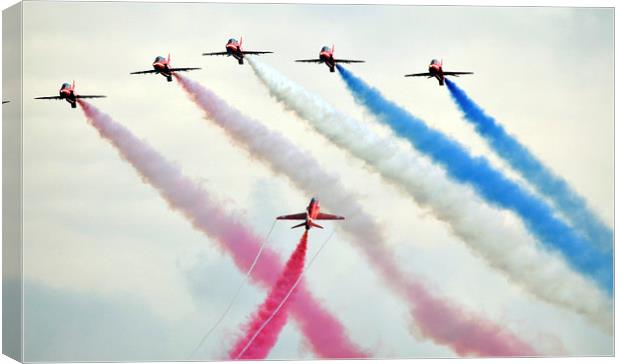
[[112, 274]]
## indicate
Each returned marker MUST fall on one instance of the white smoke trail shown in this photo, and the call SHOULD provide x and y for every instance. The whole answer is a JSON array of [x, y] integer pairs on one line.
[[507, 248]]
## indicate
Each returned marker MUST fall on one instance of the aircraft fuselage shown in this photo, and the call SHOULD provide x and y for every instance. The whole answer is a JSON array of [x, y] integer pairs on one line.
[[328, 59], [235, 51], [163, 69], [436, 71], [312, 211], [67, 94]]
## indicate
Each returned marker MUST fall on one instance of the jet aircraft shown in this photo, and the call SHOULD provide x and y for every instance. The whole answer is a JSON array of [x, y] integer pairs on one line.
[[327, 56], [313, 212], [67, 92], [161, 66], [435, 69], [234, 48]]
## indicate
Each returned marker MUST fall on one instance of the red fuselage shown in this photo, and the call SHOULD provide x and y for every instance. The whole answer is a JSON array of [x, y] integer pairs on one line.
[[313, 209], [234, 49], [312, 212], [162, 67], [67, 94], [327, 56], [436, 71]]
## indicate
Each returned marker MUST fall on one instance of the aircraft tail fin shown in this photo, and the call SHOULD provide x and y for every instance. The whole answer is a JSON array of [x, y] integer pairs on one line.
[[333, 48], [73, 85], [240, 41], [168, 59]]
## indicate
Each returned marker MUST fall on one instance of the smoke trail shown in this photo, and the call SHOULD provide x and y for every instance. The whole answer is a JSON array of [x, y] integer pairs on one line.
[[236, 295], [324, 332], [461, 331], [285, 299], [257, 344], [573, 206], [515, 253], [487, 181]]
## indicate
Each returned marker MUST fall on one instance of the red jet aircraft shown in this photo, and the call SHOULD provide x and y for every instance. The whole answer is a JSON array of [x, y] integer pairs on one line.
[[327, 56], [161, 65], [233, 48], [313, 212], [435, 70], [67, 92]]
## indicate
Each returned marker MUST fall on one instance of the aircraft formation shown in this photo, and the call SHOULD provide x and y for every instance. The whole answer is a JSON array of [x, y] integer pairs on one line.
[[234, 48]]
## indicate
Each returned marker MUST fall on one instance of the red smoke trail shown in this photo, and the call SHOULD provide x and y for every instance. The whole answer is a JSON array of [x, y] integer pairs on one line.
[[326, 335], [464, 332], [257, 343]]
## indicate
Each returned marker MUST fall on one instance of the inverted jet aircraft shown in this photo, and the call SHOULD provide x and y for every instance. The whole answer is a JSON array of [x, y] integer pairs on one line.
[[313, 212], [234, 48], [435, 69], [162, 65], [327, 56], [67, 92]]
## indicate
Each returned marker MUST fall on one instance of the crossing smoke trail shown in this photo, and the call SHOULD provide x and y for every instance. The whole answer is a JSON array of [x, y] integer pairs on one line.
[[223, 315], [573, 206], [487, 181], [504, 246], [284, 301], [257, 344], [325, 334], [442, 321]]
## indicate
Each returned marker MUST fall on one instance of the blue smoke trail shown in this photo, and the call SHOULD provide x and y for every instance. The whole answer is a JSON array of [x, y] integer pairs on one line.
[[573, 206], [487, 182]]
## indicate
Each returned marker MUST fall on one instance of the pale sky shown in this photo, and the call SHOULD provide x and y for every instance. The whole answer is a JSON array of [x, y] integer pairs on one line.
[[112, 274]]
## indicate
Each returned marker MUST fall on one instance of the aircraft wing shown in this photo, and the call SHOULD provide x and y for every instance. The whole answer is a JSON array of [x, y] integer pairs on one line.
[[215, 54], [419, 74], [348, 61], [142, 72], [256, 52], [48, 98], [184, 69], [300, 216], [5, 102], [457, 73], [322, 216], [89, 96], [316, 60]]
